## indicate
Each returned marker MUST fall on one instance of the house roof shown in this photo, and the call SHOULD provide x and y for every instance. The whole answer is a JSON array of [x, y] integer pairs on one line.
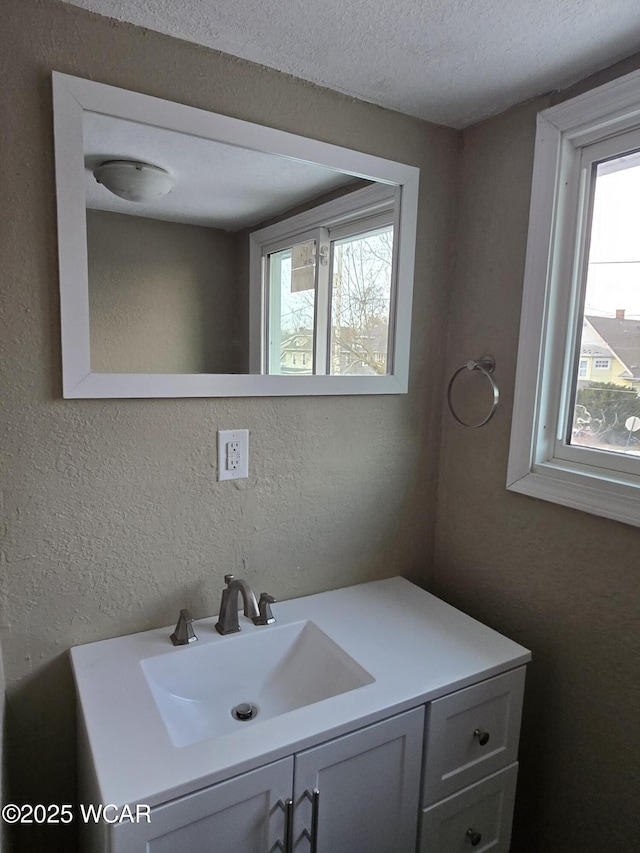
[[623, 337], [593, 351]]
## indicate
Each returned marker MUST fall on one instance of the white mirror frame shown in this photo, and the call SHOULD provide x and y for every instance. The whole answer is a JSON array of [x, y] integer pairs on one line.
[[72, 96]]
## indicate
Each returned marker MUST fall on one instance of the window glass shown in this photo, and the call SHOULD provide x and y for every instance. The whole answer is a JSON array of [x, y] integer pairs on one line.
[[606, 411], [292, 288], [361, 303]]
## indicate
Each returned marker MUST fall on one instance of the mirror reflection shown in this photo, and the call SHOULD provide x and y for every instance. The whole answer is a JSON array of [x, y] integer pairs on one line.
[[169, 275]]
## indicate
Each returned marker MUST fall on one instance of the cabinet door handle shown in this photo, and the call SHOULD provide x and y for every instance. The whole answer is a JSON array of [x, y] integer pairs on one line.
[[482, 736], [474, 837], [288, 826], [314, 796], [285, 846]]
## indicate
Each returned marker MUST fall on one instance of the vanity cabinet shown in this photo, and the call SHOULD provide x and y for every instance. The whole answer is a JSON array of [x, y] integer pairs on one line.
[[410, 746], [381, 789], [356, 794]]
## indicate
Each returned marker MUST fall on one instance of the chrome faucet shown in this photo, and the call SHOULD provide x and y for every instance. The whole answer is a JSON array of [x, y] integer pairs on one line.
[[228, 619], [184, 632], [265, 617]]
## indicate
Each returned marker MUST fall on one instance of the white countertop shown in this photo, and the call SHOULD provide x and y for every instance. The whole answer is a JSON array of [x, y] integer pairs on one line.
[[416, 647]]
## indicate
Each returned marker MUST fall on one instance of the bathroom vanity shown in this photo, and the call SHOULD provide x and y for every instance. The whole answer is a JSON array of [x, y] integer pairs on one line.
[[385, 721]]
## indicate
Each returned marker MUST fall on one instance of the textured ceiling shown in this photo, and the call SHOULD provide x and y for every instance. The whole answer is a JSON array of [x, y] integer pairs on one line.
[[449, 61]]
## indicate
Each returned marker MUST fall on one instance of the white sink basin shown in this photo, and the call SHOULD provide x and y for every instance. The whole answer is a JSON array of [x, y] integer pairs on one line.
[[276, 668]]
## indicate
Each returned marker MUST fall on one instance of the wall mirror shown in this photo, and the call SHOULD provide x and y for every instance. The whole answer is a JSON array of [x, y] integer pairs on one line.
[[205, 256]]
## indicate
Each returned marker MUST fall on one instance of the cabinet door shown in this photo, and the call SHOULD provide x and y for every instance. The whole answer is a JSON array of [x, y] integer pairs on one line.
[[241, 815], [368, 784]]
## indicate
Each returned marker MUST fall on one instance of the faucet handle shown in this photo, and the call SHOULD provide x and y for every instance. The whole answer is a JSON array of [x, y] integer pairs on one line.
[[229, 578], [265, 616], [184, 632]]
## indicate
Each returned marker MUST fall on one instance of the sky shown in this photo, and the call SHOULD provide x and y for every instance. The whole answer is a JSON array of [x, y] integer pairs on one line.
[[613, 280]]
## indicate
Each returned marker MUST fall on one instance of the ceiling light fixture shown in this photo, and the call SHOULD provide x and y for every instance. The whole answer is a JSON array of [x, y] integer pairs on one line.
[[134, 180]]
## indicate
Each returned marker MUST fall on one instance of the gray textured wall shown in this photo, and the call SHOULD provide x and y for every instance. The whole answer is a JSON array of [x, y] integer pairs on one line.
[[112, 516], [162, 297], [563, 583]]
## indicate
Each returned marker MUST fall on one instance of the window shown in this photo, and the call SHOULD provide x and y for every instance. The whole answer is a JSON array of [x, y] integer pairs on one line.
[[291, 309], [575, 436], [326, 285]]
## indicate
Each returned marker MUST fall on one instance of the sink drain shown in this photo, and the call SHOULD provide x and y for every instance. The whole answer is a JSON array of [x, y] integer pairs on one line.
[[244, 711]]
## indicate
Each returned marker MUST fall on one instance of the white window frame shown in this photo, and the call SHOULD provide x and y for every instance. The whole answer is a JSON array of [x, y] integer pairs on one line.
[[541, 463], [349, 215]]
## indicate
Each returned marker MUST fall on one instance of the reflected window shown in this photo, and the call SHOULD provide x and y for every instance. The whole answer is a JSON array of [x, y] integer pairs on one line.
[[360, 302], [328, 292], [292, 302]]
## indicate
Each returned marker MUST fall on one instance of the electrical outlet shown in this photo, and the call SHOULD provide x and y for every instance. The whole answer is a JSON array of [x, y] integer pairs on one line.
[[233, 454]]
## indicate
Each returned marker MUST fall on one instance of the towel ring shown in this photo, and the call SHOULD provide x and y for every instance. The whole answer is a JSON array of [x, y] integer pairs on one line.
[[486, 365]]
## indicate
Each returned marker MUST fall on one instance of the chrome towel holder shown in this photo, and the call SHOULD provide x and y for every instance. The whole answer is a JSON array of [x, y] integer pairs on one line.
[[486, 365]]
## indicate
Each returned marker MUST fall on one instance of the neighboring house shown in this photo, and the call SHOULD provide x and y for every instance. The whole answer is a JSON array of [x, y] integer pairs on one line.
[[296, 353], [368, 350], [610, 351]]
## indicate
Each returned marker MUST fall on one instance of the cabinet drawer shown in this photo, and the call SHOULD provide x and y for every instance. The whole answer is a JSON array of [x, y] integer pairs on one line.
[[477, 818], [471, 734]]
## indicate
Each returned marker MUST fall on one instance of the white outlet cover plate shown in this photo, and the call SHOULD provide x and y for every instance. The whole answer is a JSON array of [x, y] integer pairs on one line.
[[225, 436]]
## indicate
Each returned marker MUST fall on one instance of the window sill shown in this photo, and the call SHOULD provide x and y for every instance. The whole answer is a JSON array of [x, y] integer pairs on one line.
[[578, 488]]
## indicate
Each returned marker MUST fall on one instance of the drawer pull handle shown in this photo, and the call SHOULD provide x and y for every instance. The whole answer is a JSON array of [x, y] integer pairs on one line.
[[483, 737], [474, 837]]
